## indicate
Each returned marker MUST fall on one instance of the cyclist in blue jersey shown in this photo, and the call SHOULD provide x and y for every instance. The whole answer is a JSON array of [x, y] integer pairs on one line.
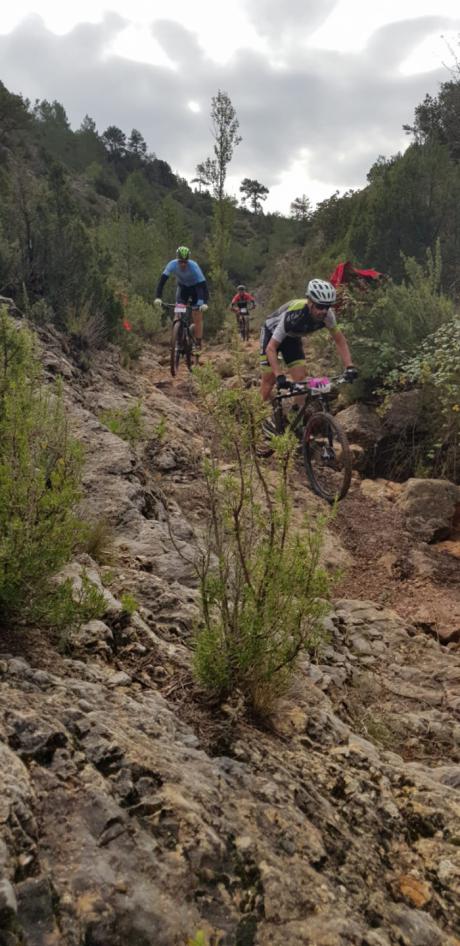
[[191, 287], [283, 330]]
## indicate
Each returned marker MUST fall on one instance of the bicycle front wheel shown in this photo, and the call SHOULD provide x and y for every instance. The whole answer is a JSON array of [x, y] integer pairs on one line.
[[327, 457], [175, 347], [189, 343]]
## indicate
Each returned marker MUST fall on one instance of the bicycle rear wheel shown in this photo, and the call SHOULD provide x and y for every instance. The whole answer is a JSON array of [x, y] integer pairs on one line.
[[327, 457], [175, 347]]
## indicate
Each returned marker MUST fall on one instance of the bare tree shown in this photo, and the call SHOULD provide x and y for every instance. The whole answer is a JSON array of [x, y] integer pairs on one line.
[[213, 171]]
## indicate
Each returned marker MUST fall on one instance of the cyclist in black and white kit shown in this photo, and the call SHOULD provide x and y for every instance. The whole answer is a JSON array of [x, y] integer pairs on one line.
[[283, 330]]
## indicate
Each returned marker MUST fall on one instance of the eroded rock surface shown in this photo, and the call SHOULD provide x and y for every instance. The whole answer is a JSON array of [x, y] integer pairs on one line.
[[131, 816], [430, 507]]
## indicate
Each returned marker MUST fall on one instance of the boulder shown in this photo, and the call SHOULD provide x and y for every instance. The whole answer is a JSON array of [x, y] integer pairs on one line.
[[429, 507], [403, 413], [362, 425], [379, 489]]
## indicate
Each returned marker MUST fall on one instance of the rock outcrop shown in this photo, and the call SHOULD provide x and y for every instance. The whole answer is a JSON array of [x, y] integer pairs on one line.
[[132, 814], [430, 507]]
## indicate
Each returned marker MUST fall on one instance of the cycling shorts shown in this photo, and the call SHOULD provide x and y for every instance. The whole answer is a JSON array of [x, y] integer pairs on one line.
[[186, 294], [291, 350]]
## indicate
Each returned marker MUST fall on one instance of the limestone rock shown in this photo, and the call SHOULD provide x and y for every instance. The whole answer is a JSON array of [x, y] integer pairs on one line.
[[429, 507], [362, 425], [403, 413]]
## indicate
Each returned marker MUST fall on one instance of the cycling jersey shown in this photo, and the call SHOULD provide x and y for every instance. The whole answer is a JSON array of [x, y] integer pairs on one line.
[[189, 276], [294, 318], [242, 299], [287, 325]]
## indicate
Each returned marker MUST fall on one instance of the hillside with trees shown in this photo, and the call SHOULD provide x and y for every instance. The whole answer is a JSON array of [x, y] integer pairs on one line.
[[229, 712], [88, 220]]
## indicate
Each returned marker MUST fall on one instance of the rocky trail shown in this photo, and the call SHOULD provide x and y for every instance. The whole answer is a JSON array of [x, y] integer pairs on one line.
[[133, 814]]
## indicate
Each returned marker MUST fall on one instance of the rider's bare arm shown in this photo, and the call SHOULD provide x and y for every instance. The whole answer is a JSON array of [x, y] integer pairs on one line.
[[272, 356], [342, 347]]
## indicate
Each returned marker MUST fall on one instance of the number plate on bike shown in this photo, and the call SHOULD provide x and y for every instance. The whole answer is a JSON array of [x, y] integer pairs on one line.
[[179, 309], [319, 385], [243, 311]]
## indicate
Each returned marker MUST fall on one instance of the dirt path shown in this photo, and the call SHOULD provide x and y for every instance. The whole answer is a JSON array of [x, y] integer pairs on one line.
[[386, 564], [421, 582]]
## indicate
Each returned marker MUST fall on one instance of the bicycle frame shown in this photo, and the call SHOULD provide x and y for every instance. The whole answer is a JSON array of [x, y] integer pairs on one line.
[[182, 335], [312, 396]]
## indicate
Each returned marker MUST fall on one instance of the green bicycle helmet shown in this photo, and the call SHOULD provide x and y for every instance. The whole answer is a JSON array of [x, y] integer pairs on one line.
[[183, 252]]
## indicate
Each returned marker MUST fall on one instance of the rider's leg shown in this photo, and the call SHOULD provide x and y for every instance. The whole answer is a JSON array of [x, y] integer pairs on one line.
[[298, 372], [198, 326], [293, 354], [267, 377], [267, 381]]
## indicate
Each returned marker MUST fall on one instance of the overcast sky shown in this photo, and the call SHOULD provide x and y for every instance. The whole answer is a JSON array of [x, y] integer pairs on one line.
[[320, 87]]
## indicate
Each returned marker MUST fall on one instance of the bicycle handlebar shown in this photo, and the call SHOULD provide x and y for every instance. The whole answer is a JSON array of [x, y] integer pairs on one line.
[[302, 387], [172, 305]]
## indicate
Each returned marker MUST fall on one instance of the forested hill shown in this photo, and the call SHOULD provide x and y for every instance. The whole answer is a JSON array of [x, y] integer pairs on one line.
[[85, 215], [88, 220]]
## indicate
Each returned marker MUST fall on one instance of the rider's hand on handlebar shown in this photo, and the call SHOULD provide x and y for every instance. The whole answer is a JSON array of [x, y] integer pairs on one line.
[[158, 302], [282, 382], [350, 374]]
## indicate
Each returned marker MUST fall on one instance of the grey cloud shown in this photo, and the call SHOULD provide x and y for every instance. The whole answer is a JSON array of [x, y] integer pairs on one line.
[[180, 44], [391, 44], [270, 17], [345, 109]]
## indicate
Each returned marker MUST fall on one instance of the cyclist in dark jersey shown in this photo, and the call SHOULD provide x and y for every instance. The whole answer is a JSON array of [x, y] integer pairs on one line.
[[283, 330]]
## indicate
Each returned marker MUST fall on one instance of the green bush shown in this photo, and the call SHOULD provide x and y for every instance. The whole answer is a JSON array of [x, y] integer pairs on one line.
[[200, 939], [262, 589], [68, 607], [435, 370], [40, 469], [128, 603], [144, 318], [99, 541], [141, 321], [128, 425], [388, 326]]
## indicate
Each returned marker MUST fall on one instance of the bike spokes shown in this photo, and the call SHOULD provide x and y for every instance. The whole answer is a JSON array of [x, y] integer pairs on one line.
[[327, 457]]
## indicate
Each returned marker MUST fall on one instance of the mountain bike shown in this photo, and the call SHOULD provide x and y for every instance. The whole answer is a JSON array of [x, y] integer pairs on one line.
[[182, 336], [243, 322], [326, 451]]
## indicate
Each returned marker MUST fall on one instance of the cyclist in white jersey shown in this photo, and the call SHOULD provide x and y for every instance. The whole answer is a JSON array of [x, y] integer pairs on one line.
[[283, 330]]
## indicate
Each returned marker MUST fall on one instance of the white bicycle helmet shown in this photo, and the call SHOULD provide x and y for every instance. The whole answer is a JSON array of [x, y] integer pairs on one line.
[[321, 292]]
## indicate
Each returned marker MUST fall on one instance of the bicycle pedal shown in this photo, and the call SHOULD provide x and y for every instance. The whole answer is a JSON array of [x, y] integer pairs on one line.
[[268, 427]]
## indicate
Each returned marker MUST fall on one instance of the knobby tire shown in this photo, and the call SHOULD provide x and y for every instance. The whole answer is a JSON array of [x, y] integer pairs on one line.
[[327, 457], [188, 349], [175, 347]]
